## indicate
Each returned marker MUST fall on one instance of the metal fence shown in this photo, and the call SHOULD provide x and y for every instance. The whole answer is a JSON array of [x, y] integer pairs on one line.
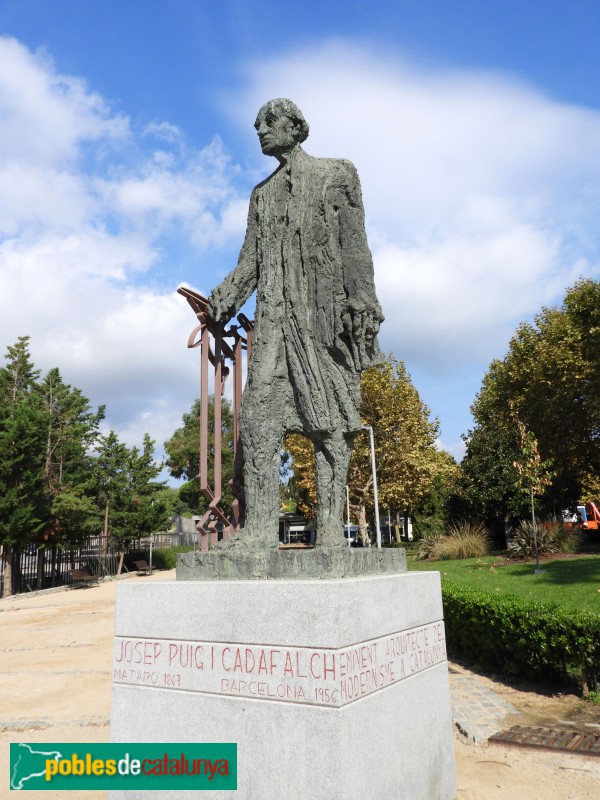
[[35, 568]]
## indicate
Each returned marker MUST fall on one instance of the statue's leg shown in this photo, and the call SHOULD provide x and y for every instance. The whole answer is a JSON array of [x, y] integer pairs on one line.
[[261, 432], [332, 458], [261, 435]]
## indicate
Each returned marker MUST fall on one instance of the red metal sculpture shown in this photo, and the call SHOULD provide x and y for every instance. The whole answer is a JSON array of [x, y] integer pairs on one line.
[[224, 348]]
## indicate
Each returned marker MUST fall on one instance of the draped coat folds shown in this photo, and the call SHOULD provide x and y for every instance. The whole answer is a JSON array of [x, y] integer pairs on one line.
[[317, 315]]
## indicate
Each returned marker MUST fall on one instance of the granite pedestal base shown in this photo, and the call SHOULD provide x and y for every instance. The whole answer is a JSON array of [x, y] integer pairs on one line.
[[324, 562], [332, 689]]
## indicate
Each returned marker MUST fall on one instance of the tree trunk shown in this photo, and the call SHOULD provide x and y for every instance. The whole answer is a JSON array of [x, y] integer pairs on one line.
[[48, 462], [105, 529], [398, 527], [507, 531], [8, 559], [362, 526], [535, 540], [121, 559], [585, 684]]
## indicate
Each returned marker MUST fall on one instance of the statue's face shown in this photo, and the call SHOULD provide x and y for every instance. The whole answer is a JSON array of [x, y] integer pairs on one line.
[[276, 132]]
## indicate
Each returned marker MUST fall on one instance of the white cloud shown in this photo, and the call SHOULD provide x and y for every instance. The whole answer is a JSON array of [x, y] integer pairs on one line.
[[46, 116], [89, 213], [456, 449], [480, 195], [192, 189], [163, 131]]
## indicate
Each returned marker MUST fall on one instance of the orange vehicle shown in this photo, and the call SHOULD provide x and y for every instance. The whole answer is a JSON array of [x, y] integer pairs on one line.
[[587, 518]]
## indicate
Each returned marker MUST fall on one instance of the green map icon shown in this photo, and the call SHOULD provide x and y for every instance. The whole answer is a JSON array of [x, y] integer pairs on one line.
[[28, 763]]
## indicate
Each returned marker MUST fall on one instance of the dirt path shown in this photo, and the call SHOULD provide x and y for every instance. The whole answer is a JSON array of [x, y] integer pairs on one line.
[[56, 655]]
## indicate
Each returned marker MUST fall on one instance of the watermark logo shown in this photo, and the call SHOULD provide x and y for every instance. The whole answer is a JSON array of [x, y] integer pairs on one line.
[[123, 766]]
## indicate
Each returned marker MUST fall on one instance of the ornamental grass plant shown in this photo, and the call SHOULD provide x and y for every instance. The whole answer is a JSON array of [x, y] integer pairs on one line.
[[463, 540]]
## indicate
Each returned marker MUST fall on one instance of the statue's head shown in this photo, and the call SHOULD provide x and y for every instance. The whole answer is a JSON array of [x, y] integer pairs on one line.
[[280, 126]]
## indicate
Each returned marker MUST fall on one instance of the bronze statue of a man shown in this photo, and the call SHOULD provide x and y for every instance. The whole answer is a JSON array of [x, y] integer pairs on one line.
[[317, 318]]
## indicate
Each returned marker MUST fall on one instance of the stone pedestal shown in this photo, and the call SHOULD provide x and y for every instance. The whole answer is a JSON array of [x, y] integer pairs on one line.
[[333, 562], [333, 689]]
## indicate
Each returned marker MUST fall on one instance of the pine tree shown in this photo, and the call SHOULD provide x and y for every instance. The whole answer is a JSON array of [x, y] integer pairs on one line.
[[145, 510], [129, 495], [110, 480], [22, 499], [71, 429]]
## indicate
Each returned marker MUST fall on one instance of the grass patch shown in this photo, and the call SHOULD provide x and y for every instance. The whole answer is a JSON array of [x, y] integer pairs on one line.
[[572, 583]]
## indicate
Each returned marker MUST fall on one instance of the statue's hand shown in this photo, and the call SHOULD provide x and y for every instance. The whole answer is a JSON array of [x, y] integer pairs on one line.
[[361, 325], [217, 308]]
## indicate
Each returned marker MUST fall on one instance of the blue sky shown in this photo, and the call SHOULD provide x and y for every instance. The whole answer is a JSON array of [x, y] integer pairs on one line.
[[127, 155]]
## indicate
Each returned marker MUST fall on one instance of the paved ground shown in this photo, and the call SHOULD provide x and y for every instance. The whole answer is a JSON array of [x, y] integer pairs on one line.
[[478, 711], [55, 673]]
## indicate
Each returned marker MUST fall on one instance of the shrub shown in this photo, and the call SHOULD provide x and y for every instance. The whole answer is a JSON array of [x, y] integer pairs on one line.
[[567, 541], [162, 557], [463, 540], [166, 558], [517, 637], [551, 538], [428, 548]]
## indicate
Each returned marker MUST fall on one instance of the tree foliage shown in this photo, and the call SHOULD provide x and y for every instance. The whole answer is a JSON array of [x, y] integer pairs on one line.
[[550, 380], [431, 514], [405, 454], [71, 430], [22, 500], [51, 478], [128, 493], [146, 509], [488, 487]]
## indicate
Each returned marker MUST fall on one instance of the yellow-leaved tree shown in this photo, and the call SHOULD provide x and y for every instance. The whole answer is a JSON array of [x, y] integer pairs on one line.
[[405, 454]]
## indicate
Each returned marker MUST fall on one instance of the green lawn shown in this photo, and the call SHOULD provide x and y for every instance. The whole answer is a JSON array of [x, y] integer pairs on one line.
[[571, 582]]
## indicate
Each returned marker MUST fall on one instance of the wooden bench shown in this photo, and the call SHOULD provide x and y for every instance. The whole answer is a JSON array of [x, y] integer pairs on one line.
[[83, 577], [143, 568]]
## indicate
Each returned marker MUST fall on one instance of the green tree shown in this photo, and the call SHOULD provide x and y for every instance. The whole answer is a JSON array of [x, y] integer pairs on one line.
[[430, 516], [183, 455], [143, 509], [534, 474], [488, 484], [127, 492], [111, 483], [19, 376], [71, 430], [22, 498], [550, 377]]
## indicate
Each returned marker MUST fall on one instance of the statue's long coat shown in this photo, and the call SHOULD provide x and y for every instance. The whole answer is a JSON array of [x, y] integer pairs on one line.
[[306, 254]]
